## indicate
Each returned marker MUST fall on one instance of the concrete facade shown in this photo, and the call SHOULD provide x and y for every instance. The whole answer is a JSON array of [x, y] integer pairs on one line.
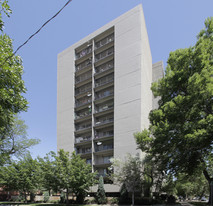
[[103, 90]]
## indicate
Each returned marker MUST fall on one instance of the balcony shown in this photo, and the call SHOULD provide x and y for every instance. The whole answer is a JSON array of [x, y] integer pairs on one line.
[[104, 94], [82, 103], [104, 69], [104, 110], [84, 152], [83, 66], [83, 116], [83, 79], [82, 92], [104, 54], [105, 121], [103, 135], [84, 52], [104, 149], [83, 127], [82, 140], [104, 162], [101, 85], [104, 41]]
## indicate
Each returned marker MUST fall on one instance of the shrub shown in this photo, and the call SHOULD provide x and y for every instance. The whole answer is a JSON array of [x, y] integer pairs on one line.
[[32, 197], [114, 200], [124, 198], [171, 199], [62, 197], [80, 197], [46, 197], [100, 195]]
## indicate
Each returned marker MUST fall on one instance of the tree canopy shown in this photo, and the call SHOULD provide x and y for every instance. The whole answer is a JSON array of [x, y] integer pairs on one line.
[[129, 173], [12, 85], [74, 174], [180, 135]]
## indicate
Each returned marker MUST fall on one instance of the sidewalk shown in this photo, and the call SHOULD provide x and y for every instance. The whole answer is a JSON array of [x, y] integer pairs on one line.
[[185, 204]]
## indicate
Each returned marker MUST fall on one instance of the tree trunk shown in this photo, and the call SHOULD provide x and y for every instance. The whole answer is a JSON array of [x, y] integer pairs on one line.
[[210, 181], [67, 199], [25, 197], [133, 198]]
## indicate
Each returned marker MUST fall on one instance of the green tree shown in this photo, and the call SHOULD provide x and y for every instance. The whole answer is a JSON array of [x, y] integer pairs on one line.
[[74, 175], [153, 177], [17, 142], [191, 186], [48, 172], [180, 132], [129, 173], [22, 176], [12, 86], [100, 195]]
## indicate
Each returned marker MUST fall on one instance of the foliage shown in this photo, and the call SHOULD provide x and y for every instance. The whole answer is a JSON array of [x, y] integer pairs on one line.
[[191, 186], [153, 177], [124, 198], [17, 143], [74, 175], [180, 134], [100, 195], [49, 180], [46, 197], [12, 86], [22, 176], [168, 185], [129, 173]]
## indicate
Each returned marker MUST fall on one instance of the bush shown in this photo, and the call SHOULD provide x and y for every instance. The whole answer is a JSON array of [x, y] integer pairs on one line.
[[80, 197], [124, 198], [143, 201], [62, 197], [46, 197], [114, 200], [91, 201], [32, 197], [100, 195], [171, 199], [20, 197]]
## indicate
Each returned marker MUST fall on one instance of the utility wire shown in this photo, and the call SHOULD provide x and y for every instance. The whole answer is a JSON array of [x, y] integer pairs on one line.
[[35, 33]]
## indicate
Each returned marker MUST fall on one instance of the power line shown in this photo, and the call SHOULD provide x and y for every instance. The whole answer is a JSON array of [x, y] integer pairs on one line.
[[35, 33]]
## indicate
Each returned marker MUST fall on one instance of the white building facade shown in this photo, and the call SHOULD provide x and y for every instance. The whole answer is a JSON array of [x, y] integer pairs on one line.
[[103, 92]]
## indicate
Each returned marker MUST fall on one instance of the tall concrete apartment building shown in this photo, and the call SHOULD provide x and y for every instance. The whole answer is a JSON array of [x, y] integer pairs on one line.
[[104, 93]]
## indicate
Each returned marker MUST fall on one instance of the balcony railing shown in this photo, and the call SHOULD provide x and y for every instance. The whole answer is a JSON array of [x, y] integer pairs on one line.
[[106, 121], [104, 41], [81, 91], [83, 139], [82, 115], [105, 94], [84, 52], [82, 78], [81, 103], [84, 151], [98, 84], [103, 148], [103, 161], [84, 65], [104, 54], [104, 67], [83, 127], [104, 134], [104, 108]]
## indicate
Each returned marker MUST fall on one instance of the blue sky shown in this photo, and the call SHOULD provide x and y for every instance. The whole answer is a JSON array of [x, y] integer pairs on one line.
[[171, 24]]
